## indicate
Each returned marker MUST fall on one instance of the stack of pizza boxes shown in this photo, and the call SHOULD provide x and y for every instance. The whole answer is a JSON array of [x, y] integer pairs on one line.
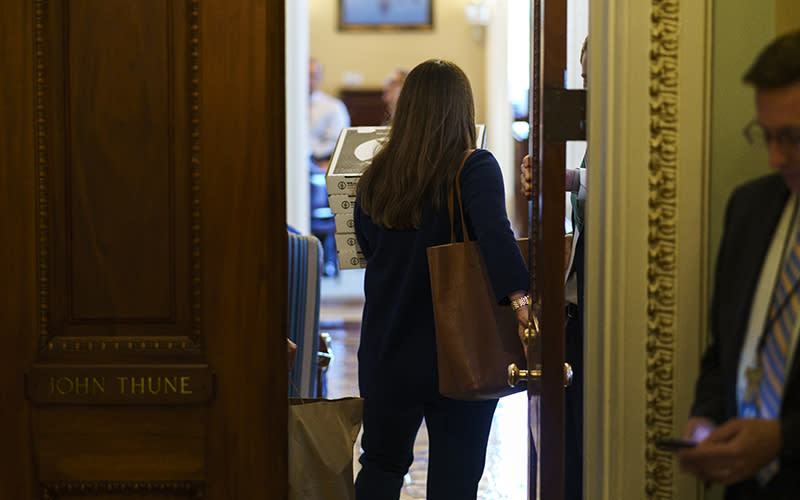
[[354, 151]]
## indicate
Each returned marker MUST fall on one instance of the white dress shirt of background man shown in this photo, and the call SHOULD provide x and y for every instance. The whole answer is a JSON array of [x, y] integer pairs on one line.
[[328, 116]]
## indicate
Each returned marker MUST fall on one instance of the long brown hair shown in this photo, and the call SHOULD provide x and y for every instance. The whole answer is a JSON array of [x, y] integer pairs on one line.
[[433, 127]]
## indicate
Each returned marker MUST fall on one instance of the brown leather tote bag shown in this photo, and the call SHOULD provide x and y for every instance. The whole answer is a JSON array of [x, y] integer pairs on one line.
[[476, 338]]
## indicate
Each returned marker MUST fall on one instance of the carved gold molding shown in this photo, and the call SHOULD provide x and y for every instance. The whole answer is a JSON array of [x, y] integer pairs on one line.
[[61, 345], [42, 167], [189, 489], [662, 221], [194, 73]]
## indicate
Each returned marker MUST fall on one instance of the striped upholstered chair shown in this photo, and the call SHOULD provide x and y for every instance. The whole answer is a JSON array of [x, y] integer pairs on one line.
[[305, 261]]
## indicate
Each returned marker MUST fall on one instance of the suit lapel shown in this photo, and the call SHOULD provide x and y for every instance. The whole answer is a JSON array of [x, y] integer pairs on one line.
[[756, 232]]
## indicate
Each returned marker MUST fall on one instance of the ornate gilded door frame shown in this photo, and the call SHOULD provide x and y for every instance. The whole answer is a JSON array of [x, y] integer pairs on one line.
[[646, 252]]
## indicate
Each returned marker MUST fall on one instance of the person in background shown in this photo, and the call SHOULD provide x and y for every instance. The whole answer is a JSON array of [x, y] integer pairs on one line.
[[745, 419], [391, 91], [400, 212], [573, 329], [328, 116]]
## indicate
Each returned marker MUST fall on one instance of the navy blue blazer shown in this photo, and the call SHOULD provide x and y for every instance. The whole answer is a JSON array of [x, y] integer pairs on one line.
[[751, 218], [398, 346]]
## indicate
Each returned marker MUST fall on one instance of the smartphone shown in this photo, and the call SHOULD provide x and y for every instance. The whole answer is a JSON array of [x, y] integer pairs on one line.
[[673, 444]]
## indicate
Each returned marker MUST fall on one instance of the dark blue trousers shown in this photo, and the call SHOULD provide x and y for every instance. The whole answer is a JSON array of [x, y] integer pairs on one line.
[[573, 407], [457, 435]]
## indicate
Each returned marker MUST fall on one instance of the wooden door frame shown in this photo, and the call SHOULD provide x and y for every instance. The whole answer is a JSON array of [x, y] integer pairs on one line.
[[247, 445], [18, 301], [549, 61]]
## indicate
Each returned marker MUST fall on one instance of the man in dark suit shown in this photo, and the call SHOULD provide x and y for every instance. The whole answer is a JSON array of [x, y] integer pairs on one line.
[[746, 414]]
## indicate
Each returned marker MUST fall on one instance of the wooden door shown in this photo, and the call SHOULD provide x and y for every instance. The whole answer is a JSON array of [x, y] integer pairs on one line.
[[142, 220], [555, 117]]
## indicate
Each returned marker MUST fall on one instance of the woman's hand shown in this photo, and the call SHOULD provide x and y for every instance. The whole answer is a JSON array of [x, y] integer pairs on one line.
[[523, 315], [520, 304], [523, 318], [291, 350]]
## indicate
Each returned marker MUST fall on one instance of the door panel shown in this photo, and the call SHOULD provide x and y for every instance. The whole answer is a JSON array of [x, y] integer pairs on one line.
[[125, 101], [115, 180], [142, 198], [109, 443]]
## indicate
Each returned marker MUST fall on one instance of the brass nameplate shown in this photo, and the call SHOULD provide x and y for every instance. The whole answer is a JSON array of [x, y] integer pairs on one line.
[[120, 384]]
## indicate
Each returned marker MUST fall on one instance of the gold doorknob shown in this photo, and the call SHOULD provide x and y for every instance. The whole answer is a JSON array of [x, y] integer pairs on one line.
[[515, 375], [531, 332]]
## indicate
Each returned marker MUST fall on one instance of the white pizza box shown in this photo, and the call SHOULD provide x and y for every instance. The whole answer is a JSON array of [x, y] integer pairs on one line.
[[354, 151], [350, 257], [480, 136], [346, 240], [341, 203], [345, 223], [342, 184]]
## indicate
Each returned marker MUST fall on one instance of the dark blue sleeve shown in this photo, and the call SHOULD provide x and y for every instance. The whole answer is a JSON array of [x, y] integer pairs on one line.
[[483, 197]]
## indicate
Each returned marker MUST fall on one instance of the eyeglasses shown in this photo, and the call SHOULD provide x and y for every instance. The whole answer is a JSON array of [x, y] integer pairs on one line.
[[786, 139]]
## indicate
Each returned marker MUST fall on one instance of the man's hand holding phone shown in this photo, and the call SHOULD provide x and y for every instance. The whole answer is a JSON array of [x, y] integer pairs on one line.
[[732, 452], [672, 444], [696, 430]]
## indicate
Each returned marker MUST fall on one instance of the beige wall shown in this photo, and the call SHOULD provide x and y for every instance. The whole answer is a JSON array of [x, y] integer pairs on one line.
[[787, 16], [373, 54], [741, 29]]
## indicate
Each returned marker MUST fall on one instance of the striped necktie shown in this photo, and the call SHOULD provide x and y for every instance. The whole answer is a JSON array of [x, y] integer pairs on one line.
[[783, 313]]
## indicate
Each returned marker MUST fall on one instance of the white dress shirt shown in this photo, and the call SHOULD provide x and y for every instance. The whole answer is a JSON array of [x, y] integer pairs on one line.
[[328, 117], [778, 250], [571, 280]]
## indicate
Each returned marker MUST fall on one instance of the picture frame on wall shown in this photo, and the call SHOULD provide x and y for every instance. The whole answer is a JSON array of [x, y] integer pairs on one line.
[[385, 15]]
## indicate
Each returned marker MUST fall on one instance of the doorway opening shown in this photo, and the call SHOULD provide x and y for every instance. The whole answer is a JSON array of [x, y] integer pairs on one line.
[[357, 64]]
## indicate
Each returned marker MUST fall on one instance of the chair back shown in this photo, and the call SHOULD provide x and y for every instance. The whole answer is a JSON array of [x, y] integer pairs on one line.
[[305, 267]]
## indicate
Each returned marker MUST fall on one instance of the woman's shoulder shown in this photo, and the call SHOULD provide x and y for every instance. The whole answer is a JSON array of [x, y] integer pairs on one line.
[[481, 162], [479, 154]]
